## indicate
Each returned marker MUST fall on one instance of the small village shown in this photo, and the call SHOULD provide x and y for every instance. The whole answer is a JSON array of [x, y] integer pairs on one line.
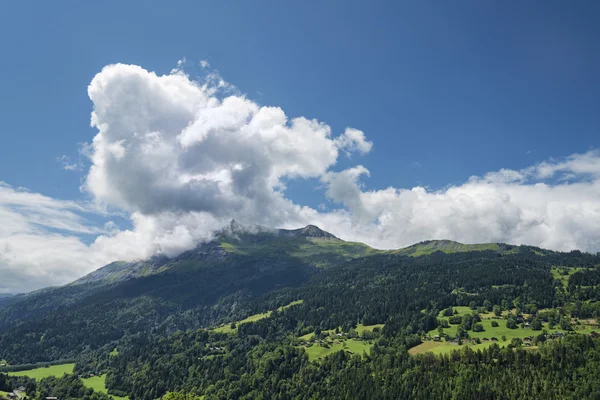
[[506, 328]]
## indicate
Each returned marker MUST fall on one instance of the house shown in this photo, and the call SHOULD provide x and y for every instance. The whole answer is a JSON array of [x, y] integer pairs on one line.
[[21, 389], [436, 338], [51, 398], [557, 335], [527, 325]]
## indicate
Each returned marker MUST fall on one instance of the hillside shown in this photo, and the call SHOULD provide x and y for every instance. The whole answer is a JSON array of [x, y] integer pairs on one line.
[[215, 281], [221, 280], [309, 245], [254, 301]]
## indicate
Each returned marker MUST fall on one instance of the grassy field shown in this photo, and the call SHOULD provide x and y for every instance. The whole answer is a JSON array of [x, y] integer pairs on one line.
[[253, 318], [359, 347], [98, 383], [445, 246], [40, 373], [586, 327], [113, 353], [320, 252], [564, 279], [360, 329], [443, 347], [490, 332]]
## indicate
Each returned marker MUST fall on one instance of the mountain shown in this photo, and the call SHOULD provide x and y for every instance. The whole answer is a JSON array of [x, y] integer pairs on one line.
[[215, 281], [5, 299], [274, 313], [230, 277], [310, 245]]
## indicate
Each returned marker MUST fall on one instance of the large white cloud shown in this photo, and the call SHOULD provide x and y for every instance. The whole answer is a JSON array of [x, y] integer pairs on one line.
[[506, 206], [166, 143], [182, 158]]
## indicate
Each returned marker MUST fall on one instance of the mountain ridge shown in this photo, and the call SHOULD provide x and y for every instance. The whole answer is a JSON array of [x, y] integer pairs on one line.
[[256, 240], [237, 274]]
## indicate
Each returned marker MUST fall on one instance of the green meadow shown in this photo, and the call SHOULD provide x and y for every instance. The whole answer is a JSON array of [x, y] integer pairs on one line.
[[44, 372], [98, 383], [562, 274], [489, 332], [316, 351], [360, 329], [226, 328]]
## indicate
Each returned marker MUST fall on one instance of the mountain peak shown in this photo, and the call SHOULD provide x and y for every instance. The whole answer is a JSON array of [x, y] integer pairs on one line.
[[308, 231]]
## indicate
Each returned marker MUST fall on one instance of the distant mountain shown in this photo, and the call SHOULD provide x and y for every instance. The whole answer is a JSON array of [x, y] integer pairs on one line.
[[310, 245], [5, 299], [216, 280], [449, 246]]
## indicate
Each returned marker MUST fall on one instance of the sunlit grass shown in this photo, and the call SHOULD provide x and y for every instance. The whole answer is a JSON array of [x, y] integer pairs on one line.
[[44, 372], [226, 328], [98, 383]]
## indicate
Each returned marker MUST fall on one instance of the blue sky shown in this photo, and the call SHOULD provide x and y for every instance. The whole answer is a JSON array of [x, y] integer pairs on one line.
[[443, 90], [461, 88]]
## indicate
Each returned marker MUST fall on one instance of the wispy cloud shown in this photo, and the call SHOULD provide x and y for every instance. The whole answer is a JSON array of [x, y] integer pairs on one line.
[[66, 163]]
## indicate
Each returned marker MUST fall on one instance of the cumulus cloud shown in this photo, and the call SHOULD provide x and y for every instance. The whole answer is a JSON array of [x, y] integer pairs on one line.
[[180, 158], [517, 207], [354, 140], [167, 143]]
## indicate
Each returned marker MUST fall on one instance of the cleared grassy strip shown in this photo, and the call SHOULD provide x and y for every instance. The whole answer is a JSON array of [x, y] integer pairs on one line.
[[490, 331], [360, 329], [424, 347], [558, 273], [445, 246], [44, 372], [253, 318], [98, 383], [359, 347]]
